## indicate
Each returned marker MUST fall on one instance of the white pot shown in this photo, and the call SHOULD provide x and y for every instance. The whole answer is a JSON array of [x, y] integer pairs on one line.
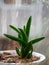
[[42, 58]]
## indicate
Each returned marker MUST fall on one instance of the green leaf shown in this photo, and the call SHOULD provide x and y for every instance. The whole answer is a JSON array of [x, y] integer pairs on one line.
[[18, 51], [14, 38], [28, 48], [22, 52], [14, 28], [19, 36], [24, 28], [28, 26], [29, 55], [23, 35], [36, 40]]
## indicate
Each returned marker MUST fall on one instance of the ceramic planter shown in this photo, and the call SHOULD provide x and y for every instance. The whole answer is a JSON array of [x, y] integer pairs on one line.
[[42, 58]]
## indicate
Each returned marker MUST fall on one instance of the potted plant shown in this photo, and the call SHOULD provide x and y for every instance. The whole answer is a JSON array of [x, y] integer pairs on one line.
[[23, 55]]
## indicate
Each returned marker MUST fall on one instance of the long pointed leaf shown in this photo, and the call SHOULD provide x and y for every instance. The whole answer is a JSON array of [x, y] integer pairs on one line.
[[36, 40], [28, 48], [22, 52], [14, 28], [29, 55], [19, 36], [18, 51], [28, 26], [23, 35], [24, 28], [14, 38]]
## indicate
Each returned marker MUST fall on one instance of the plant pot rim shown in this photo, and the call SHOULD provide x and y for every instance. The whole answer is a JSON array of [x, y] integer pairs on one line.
[[42, 57]]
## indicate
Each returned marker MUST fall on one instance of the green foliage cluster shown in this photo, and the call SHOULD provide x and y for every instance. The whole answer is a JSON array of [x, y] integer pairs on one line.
[[26, 46]]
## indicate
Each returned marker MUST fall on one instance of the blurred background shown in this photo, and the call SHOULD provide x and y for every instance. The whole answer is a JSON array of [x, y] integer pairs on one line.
[[16, 12]]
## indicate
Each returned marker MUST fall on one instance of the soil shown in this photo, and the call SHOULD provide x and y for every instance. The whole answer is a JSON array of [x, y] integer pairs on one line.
[[9, 58]]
